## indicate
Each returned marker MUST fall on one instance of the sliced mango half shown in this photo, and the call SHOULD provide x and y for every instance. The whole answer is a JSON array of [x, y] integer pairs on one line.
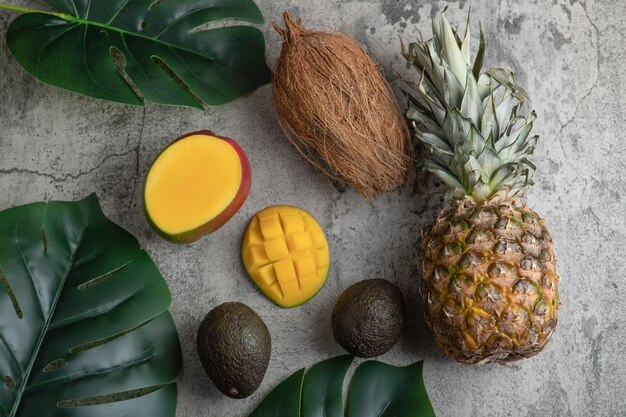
[[286, 254], [195, 186]]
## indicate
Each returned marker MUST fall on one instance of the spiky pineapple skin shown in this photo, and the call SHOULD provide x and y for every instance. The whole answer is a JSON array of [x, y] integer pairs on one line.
[[489, 281]]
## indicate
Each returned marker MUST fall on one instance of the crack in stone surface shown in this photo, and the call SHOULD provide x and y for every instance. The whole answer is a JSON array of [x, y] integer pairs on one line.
[[137, 151], [558, 136], [66, 177]]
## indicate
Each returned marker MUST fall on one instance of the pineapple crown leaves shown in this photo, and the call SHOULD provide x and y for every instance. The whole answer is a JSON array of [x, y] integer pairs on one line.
[[470, 120]]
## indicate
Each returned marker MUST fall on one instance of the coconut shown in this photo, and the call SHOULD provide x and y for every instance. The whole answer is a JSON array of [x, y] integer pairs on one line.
[[339, 112]]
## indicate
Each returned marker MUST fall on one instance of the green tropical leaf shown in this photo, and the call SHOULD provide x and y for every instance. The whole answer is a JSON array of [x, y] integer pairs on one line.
[[165, 58], [377, 390], [381, 390], [284, 400], [322, 389], [84, 325]]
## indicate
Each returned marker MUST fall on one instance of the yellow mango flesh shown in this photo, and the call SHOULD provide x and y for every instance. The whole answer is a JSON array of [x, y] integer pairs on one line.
[[192, 182], [286, 254]]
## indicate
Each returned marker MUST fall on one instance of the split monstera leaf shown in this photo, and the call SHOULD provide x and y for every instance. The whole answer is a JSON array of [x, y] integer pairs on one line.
[[143, 50], [376, 390], [84, 324]]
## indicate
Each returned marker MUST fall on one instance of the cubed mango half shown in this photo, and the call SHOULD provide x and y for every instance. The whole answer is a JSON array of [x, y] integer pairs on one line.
[[286, 254]]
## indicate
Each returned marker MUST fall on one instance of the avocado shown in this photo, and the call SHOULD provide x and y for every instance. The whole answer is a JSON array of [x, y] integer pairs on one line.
[[368, 318], [234, 347]]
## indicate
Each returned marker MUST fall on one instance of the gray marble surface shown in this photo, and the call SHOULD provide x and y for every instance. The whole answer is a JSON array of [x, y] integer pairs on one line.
[[569, 54]]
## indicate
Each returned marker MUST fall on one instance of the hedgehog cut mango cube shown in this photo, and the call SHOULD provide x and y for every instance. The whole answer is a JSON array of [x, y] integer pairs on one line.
[[286, 254]]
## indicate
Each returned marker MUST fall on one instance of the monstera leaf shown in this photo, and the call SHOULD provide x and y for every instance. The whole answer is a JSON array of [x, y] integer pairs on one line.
[[84, 326], [376, 390], [167, 55]]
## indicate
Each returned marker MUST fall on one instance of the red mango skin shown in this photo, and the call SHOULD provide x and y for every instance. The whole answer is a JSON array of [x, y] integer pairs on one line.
[[229, 211]]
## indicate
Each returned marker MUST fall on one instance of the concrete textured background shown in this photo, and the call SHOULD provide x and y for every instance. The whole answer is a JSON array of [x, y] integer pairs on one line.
[[570, 56]]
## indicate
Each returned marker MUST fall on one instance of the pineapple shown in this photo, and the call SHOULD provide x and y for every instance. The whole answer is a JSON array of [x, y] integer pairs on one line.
[[489, 281]]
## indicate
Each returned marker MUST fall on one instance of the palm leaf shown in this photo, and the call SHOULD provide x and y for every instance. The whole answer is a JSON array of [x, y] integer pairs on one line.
[[84, 325], [165, 59]]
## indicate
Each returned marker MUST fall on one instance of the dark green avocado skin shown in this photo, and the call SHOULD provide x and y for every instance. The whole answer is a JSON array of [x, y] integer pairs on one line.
[[234, 346], [369, 317]]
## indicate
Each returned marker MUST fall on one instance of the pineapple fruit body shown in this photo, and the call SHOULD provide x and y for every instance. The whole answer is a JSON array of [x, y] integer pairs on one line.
[[489, 282]]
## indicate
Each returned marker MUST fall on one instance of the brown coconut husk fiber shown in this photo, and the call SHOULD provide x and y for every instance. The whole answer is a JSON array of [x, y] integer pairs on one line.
[[336, 108]]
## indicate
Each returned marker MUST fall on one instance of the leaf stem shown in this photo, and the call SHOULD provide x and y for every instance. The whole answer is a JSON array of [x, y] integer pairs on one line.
[[20, 9]]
